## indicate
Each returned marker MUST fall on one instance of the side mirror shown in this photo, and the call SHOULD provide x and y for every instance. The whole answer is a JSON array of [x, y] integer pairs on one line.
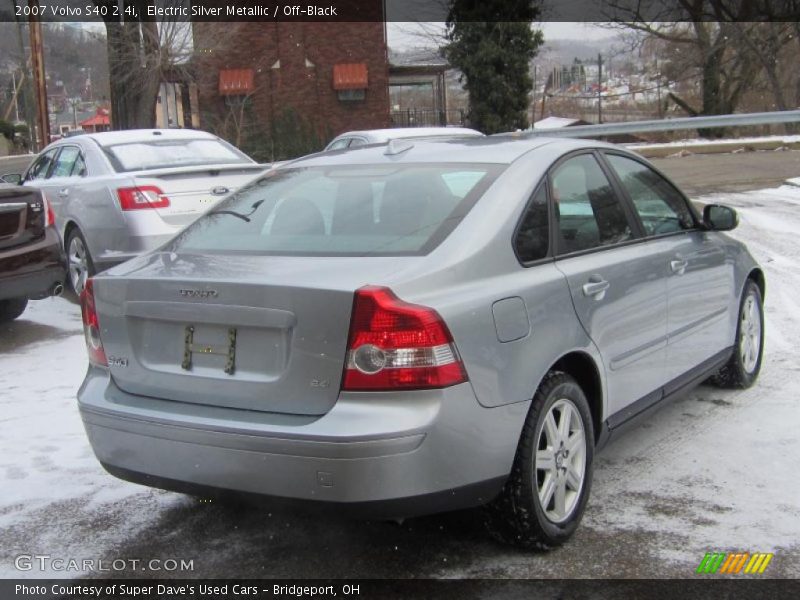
[[12, 178], [718, 217]]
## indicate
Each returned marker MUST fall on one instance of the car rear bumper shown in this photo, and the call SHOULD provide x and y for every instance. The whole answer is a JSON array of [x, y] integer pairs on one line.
[[33, 270], [388, 455]]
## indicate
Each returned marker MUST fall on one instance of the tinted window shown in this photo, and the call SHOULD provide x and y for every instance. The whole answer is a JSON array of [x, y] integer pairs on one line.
[[159, 154], [42, 165], [339, 144], [65, 162], [588, 211], [660, 206], [344, 211], [79, 170], [533, 234]]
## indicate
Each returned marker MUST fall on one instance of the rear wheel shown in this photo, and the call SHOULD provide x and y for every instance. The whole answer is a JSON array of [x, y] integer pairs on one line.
[[743, 368], [545, 496], [12, 308], [79, 261]]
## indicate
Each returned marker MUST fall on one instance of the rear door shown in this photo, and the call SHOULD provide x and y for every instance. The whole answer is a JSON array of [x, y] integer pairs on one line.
[[618, 288], [69, 167], [699, 279]]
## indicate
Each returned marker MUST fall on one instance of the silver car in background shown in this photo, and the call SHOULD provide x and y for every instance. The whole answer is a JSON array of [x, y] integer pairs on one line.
[[117, 194], [354, 139], [418, 327]]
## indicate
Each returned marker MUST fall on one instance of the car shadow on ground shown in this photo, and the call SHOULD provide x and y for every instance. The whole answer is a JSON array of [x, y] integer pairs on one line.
[[20, 333], [244, 540]]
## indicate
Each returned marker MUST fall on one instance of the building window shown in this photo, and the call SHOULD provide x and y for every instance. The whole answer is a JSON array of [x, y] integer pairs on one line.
[[352, 95], [350, 80]]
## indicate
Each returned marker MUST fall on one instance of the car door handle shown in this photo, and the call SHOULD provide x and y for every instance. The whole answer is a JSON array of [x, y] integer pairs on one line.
[[596, 288], [63, 192], [678, 266]]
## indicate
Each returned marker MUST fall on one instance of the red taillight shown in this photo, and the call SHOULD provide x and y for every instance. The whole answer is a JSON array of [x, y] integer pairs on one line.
[[397, 345], [141, 197], [49, 214], [91, 327]]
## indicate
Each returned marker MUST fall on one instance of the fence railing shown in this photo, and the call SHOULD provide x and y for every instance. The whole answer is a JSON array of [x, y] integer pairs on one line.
[[740, 120], [427, 117]]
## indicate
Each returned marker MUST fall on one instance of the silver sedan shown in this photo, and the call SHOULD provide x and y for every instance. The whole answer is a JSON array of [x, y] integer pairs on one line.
[[419, 327], [116, 194]]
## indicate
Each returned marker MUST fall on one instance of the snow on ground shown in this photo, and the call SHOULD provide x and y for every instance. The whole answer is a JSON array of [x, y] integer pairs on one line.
[[743, 141], [45, 459], [715, 470]]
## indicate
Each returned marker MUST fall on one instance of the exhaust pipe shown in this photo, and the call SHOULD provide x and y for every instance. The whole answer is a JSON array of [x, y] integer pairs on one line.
[[58, 289]]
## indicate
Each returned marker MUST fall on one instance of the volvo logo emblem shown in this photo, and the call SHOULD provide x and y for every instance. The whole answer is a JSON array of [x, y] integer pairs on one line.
[[220, 191], [198, 293]]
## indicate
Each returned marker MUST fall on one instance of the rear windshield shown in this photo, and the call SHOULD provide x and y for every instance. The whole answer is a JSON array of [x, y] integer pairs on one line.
[[341, 211], [163, 154]]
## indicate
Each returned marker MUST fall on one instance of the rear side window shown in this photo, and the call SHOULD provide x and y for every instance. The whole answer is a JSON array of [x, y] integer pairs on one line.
[[342, 211], [660, 206], [65, 163], [587, 210], [163, 154], [533, 234]]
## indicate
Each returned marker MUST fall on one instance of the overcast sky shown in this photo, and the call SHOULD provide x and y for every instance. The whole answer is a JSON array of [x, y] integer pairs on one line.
[[407, 35]]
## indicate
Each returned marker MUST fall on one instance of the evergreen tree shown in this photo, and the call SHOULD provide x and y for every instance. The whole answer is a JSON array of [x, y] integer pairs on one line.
[[494, 58]]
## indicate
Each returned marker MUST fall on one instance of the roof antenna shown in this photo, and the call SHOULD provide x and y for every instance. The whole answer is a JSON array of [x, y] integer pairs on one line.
[[398, 146]]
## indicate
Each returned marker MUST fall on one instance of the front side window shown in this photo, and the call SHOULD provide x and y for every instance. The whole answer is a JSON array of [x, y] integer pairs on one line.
[[342, 211], [166, 153], [41, 167], [533, 234], [587, 210], [660, 206]]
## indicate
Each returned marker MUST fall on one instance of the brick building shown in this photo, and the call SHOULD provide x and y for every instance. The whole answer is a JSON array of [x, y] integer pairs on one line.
[[280, 89]]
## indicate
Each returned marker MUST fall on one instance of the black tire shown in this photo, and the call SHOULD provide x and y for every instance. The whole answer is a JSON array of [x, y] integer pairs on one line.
[[12, 308], [735, 373], [75, 237], [517, 516]]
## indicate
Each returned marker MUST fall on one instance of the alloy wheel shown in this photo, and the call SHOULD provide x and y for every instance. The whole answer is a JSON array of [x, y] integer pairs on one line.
[[78, 264], [750, 334], [560, 461]]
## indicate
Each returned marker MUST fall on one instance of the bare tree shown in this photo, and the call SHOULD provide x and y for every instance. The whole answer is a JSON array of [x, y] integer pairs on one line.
[[728, 44]]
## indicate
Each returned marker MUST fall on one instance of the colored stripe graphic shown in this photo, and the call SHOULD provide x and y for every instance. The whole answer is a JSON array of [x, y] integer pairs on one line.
[[734, 562], [758, 563], [711, 562]]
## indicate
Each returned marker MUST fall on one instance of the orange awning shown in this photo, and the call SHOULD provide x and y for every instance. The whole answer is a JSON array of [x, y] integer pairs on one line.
[[350, 76], [235, 82]]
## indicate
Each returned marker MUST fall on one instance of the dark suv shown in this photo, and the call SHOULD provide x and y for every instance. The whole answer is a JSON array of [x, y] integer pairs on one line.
[[31, 258]]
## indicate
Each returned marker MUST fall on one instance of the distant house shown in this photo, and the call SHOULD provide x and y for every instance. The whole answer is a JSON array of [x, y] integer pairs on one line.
[[100, 121]]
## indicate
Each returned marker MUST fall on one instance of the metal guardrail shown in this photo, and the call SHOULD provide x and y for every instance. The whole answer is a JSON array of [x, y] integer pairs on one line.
[[740, 120]]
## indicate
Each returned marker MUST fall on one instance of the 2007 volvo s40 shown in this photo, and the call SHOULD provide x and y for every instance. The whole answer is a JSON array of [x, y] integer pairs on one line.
[[417, 327]]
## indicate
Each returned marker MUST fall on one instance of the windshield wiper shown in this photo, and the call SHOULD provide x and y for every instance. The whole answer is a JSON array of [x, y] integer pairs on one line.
[[245, 218]]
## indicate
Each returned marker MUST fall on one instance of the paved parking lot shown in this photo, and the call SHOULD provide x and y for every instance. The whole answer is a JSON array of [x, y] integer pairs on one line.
[[715, 470]]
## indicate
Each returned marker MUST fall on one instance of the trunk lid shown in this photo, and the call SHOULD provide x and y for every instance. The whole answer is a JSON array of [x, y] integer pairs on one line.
[[255, 333], [22, 216], [193, 190]]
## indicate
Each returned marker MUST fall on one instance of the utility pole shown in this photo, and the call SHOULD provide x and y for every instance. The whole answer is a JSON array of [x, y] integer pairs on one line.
[[533, 97], [599, 88], [37, 62]]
